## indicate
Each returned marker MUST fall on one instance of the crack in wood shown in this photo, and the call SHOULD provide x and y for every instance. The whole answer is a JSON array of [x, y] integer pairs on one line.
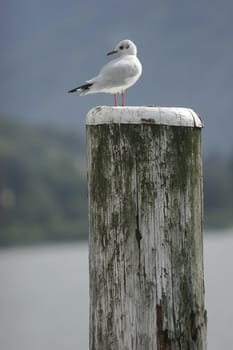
[[138, 233], [163, 340], [137, 230]]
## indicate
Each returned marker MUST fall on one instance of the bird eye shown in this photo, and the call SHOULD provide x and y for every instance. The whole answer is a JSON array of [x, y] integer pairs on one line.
[[121, 47]]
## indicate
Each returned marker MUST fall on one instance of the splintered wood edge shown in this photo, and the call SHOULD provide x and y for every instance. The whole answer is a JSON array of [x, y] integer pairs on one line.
[[173, 116]]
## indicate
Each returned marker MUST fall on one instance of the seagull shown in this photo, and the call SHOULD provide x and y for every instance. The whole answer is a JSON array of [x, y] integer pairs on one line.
[[117, 75]]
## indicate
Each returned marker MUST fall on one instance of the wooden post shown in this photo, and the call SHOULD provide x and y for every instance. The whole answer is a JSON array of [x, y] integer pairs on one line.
[[145, 229]]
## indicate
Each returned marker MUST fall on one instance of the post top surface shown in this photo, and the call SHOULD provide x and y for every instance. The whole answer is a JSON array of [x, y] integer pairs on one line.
[[143, 115]]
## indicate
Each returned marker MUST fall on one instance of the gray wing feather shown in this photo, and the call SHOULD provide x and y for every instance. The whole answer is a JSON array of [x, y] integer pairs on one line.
[[115, 73]]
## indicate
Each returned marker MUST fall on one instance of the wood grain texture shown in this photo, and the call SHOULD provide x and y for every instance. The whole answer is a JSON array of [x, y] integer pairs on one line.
[[145, 237]]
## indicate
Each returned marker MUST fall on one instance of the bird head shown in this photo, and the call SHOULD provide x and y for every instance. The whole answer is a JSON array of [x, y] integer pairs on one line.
[[124, 47]]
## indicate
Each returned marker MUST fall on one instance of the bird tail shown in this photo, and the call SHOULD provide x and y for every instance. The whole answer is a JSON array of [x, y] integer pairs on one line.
[[83, 89]]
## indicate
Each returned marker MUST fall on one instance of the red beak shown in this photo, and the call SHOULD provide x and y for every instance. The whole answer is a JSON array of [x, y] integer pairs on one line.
[[111, 52]]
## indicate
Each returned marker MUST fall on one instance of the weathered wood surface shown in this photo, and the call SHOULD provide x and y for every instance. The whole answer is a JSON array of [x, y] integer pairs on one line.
[[145, 233]]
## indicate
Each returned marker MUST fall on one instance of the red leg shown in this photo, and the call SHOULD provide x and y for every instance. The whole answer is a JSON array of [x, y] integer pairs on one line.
[[115, 99], [122, 98]]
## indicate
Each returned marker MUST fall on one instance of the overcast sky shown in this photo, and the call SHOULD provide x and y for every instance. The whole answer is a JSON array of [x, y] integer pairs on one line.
[[186, 48]]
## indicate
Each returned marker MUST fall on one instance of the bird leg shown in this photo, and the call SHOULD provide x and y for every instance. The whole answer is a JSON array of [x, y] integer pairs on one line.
[[115, 99], [122, 98]]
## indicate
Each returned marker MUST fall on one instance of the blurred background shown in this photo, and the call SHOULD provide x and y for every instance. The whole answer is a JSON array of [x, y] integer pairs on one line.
[[48, 47]]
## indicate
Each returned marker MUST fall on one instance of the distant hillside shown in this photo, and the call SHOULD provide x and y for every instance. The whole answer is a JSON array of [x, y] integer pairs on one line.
[[43, 191], [218, 191]]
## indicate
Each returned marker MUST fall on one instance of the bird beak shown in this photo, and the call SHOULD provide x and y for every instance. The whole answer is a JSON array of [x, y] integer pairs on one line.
[[112, 52]]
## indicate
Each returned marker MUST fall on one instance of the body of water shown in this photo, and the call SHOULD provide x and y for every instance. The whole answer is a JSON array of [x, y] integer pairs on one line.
[[44, 295]]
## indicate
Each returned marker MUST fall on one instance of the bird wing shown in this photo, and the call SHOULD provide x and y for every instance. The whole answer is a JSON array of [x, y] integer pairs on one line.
[[117, 72]]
